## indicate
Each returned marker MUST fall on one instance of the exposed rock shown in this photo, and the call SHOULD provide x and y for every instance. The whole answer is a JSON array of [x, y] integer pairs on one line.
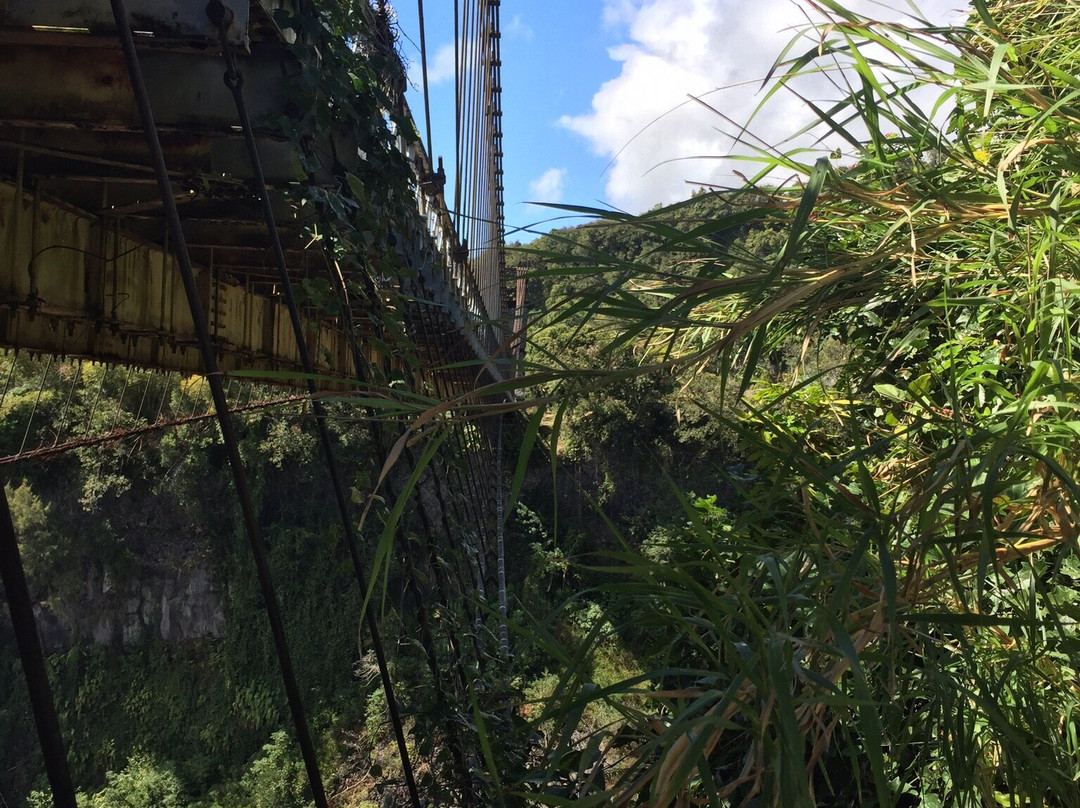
[[53, 633], [172, 605]]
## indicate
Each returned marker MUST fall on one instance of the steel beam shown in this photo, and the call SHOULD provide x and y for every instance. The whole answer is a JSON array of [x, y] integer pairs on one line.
[[78, 286], [159, 19], [89, 88], [60, 147]]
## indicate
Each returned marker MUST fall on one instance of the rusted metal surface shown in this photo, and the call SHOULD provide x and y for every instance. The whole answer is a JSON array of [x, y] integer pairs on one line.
[[89, 88], [59, 449], [79, 286], [64, 149], [85, 266], [183, 20]]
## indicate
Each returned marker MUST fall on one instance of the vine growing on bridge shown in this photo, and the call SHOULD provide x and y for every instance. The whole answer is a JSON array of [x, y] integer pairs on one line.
[[360, 154]]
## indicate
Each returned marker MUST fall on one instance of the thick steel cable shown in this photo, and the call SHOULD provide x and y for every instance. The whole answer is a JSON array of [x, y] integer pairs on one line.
[[493, 112], [460, 199], [504, 636], [234, 81], [479, 156], [498, 135], [464, 169], [58, 449], [474, 153], [423, 70], [21, 610], [228, 433], [478, 209], [467, 67], [457, 119]]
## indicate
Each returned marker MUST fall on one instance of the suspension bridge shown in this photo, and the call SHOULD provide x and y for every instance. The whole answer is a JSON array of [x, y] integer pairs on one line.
[[209, 188]]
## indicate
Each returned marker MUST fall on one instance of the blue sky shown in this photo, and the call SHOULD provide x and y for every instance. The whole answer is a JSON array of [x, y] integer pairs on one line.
[[596, 107], [554, 59]]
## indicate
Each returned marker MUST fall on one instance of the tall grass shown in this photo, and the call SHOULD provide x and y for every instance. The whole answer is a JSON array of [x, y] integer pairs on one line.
[[889, 616]]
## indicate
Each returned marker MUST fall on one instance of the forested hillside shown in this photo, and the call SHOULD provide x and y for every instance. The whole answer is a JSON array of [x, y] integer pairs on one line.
[[792, 473], [160, 662], [872, 600]]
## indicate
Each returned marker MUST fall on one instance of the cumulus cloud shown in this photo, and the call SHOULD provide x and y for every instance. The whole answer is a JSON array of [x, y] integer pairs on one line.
[[645, 121], [518, 28], [548, 187], [440, 67]]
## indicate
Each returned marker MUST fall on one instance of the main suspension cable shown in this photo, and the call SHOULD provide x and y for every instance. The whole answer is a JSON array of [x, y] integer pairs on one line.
[[423, 70], [117, 435]]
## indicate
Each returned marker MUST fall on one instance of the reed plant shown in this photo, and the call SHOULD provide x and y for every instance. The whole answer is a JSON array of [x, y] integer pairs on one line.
[[888, 614]]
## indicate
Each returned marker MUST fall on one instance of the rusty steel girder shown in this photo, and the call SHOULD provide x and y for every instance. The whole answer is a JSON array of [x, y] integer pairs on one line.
[[85, 266], [184, 20], [73, 285], [88, 88]]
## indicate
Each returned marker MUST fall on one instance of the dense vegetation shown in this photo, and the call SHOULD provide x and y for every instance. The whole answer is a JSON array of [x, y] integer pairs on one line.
[[111, 524], [796, 494], [885, 612]]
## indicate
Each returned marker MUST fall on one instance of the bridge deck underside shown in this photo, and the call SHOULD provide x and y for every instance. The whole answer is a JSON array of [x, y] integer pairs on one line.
[[86, 269]]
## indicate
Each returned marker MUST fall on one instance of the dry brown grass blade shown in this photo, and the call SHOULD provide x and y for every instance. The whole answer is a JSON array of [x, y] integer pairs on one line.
[[968, 561], [667, 788]]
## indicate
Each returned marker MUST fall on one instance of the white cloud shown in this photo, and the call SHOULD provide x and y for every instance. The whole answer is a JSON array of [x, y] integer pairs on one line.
[[644, 121], [440, 68], [518, 28], [548, 187]]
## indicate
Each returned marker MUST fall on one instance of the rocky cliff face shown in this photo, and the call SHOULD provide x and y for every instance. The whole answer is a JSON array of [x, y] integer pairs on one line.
[[151, 604]]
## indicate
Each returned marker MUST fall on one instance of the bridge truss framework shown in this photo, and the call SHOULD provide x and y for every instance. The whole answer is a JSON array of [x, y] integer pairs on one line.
[[148, 218]]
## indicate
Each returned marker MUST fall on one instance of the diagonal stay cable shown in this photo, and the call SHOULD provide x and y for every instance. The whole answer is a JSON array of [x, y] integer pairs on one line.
[[228, 432], [21, 610], [234, 81]]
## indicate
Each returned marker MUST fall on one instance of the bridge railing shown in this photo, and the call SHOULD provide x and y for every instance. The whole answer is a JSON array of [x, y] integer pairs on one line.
[[453, 280]]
